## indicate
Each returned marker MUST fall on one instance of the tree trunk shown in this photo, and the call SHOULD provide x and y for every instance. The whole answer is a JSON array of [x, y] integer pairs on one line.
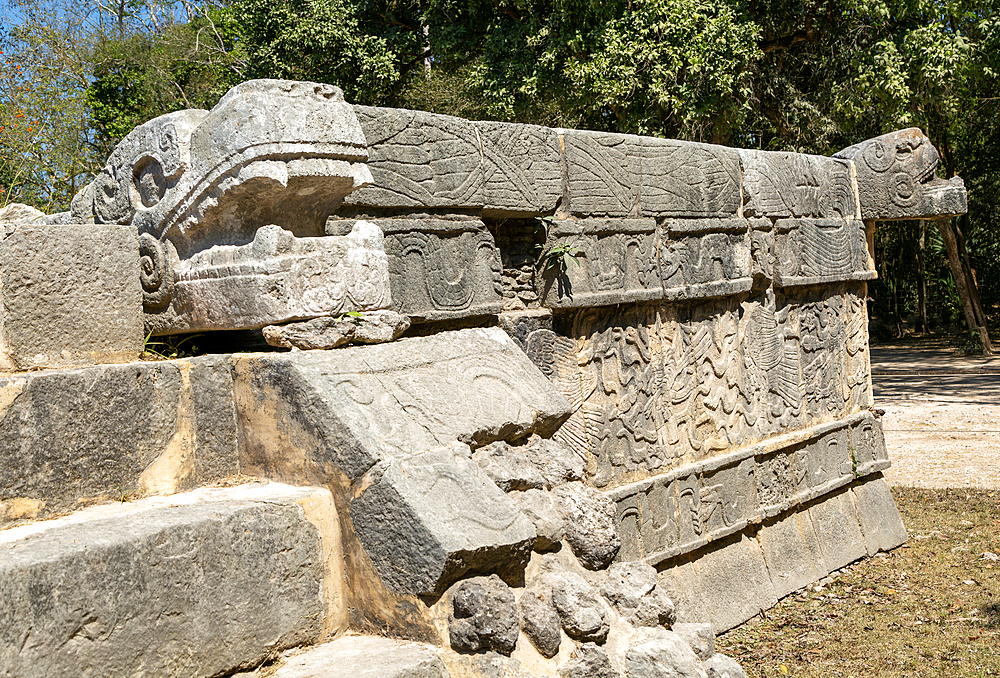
[[922, 278], [970, 276], [958, 272]]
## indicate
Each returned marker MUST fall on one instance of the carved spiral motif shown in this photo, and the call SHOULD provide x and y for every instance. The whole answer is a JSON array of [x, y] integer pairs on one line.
[[904, 191], [879, 156], [154, 273]]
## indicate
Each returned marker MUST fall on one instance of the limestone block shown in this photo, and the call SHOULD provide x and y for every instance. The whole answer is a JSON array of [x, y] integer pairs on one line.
[[588, 661], [699, 636], [589, 515], [579, 605], [75, 436], [540, 621], [442, 269], [484, 616], [839, 530], [605, 173], [345, 410], [721, 666], [762, 252], [69, 295], [275, 278], [880, 520], [792, 553], [365, 657], [522, 170], [16, 211], [896, 178], [817, 251], [599, 262], [420, 159], [682, 178], [664, 656], [540, 508], [199, 585], [371, 327], [705, 258], [428, 519], [631, 588], [780, 184]]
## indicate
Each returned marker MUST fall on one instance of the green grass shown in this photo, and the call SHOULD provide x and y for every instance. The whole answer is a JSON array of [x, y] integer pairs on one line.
[[930, 608]]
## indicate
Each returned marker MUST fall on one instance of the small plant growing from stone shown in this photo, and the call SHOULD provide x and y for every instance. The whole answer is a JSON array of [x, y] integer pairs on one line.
[[559, 257], [170, 347]]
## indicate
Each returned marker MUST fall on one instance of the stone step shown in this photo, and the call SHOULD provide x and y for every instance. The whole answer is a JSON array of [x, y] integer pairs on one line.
[[365, 657], [195, 584]]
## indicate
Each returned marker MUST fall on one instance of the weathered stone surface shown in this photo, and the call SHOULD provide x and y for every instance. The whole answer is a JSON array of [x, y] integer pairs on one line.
[[605, 173], [540, 508], [538, 464], [485, 665], [352, 407], [522, 173], [681, 178], [194, 586], [896, 178], [588, 661], [69, 295], [792, 553], [598, 262], [665, 656], [428, 519], [880, 520], [631, 588], [699, 636], [275, 278], [18, 212], [420, 159], [442, 269], [702, 258], [721, 666], [839, 530], [484, 616], [365, 657], [780, 184], [540, 621], [372, 327], [816, 251], [579, 606], [270, 152], [75, 436], [590, 524]]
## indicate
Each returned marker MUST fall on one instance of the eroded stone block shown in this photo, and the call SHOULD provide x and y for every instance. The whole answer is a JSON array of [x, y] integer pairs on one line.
[[605, 173], [780, 184], [599, 262], [683, 178], [69, 295], [705, 258], [201, 585], [880, 520], [442, 269], [99, 433], [792, 553], [816, 251], [420, 159], [522, 170], [430, 518], [365, 657], [838, 529]]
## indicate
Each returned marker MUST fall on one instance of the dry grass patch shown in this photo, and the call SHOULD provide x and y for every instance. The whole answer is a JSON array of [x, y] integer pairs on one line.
[[930, 608]]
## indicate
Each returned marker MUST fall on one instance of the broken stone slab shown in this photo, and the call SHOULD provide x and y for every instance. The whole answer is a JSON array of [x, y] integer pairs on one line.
[[896, 178], [275, 278], [365, 657], [540, 508], [428, 519], [818, 251], [702, 258], [666, 655], [588, 661], [201, 584], [19, 212], [69, 295], [369, 327], [76, 436], [539, 464], [631, 588], [484, 616], [599, 262], [699, 636], [579, 606], [780, 184], [348, 409], [442, 269], [197, 185]]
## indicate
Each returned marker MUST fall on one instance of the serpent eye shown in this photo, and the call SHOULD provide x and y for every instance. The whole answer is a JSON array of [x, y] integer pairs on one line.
[[149, 180]]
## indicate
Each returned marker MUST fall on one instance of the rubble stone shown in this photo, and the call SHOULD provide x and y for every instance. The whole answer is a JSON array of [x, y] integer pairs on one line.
[[590, 524], [484, 616]]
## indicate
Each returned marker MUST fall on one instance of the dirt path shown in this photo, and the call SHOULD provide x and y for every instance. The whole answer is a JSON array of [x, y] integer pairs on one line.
[[942, 415]]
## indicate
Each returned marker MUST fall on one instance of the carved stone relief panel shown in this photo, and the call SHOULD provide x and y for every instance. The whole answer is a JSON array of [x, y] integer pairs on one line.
[[442, 269], [681, 178], [604, 172], [779, 184], [762, 252], [814, 251], [597, 262], [702, 258], [522, 169], [420, 159]]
